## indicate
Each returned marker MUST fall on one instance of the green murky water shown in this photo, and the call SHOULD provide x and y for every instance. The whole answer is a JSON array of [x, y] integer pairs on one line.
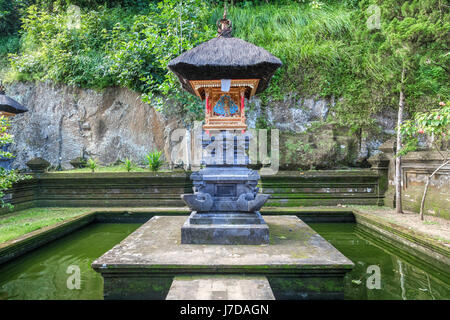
[[43, 273], [401, 275]]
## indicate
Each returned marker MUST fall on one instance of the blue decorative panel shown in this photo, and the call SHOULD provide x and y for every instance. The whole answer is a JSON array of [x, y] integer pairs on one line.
[[226, 107]]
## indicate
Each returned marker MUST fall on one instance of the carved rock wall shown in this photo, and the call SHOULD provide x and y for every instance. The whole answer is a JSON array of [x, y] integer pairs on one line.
[[65, 122]]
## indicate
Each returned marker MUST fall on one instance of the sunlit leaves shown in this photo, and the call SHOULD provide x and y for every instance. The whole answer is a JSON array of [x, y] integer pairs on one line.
[[434, 125]]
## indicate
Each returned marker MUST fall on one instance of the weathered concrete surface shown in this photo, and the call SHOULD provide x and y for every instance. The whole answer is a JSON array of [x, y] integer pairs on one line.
[[220, 288], [416, 166], [426, 246], [298, 262]]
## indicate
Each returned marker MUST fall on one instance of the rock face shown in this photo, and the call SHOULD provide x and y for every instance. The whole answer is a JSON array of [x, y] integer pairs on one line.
[[64, 123], [307, 142]]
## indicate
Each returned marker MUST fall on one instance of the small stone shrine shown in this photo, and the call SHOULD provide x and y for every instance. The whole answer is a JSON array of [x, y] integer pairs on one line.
[[224, 72]]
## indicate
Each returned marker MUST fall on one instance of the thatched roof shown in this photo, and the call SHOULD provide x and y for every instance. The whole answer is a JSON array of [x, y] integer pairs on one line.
[[10, 105], [225, 58]]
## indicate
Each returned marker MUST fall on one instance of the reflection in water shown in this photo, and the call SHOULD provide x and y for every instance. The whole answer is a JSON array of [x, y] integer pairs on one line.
[[42, 274], [402, 276]]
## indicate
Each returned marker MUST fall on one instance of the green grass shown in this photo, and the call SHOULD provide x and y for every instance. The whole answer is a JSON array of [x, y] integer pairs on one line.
[[431, 223], [16, 224], [302, 37]]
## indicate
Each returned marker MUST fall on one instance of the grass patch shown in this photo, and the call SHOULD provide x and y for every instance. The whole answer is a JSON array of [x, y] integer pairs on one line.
[[430, 223], [16, 224]]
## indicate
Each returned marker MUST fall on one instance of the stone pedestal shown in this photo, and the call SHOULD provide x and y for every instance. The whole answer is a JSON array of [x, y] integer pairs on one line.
[[225, 203], [225, 228], [38, 165]]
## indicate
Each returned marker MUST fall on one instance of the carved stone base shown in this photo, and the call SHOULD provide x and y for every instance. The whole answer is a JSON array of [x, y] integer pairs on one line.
[[226, 218], [225, 228]]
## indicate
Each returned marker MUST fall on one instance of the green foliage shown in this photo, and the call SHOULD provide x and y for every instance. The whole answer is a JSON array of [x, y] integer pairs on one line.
[[326, 48], [113, 46], [92, 164], [154, 160], [141, 51], [413, 39], [305, 39], [434, 124], [53, 50], [7, 177], [128, 164]]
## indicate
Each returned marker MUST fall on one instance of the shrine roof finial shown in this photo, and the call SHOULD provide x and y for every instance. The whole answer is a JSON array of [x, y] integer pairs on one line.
[[224, 25]]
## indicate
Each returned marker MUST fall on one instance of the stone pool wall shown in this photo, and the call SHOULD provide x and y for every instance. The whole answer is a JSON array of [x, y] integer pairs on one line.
[[163, 189], [416, 166]]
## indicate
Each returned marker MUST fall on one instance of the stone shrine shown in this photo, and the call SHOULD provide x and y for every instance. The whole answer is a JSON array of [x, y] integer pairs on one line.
[[223, 72]]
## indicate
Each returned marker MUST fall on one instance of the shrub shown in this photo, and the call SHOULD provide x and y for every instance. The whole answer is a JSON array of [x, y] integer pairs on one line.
[[128, 164], [92, 164], [154, 160]]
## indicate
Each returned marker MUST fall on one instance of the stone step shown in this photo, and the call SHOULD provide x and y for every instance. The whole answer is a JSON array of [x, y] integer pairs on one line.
[[226, 218], [211, 287]]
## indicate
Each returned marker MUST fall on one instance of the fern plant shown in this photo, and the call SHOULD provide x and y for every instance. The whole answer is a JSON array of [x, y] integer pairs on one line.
[[128, 164], [92, 164], [154, 160]]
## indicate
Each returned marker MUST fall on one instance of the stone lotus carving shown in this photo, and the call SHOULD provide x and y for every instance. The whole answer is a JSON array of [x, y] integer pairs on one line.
[[249, 202], [199, 202], [220, 189], [204, 202]]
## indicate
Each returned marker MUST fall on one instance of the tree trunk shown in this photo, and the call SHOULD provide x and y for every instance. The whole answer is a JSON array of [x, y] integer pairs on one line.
[[422, 204], [398, 159]]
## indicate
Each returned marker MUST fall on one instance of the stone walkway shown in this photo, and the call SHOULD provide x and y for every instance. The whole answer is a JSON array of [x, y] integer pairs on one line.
[[220, 288]]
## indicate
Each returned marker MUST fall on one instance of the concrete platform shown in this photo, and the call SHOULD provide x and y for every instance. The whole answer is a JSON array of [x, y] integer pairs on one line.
[[298, 262], [220, 288]]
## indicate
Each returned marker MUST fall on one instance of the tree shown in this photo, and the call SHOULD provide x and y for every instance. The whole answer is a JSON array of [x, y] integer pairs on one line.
[[400, 54], [435, 125], [398, 163], [412, 45]]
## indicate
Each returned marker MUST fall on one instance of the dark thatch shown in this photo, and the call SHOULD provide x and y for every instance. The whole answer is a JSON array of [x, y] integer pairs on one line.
[[225, 58], [10, 105]]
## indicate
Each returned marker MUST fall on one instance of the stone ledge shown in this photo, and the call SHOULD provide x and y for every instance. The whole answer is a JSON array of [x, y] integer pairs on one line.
[[157, 246], [16, 247], [310, 214], [298, 262], [220, 288], [418, 243]]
